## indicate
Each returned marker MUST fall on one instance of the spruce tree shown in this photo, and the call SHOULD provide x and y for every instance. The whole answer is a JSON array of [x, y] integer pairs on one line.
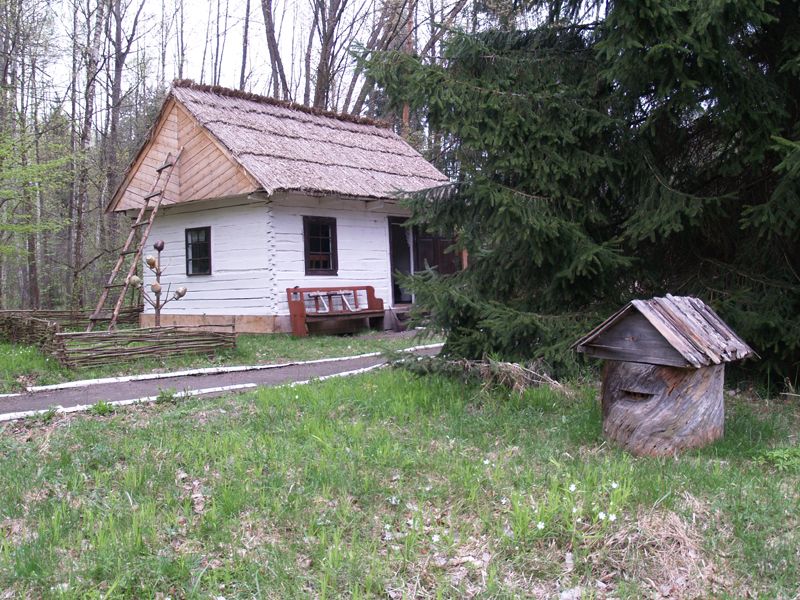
[[652, 151]]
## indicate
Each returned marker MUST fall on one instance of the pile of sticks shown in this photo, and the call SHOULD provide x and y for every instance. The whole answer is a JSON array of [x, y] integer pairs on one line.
[[28, 330], [96, 348]]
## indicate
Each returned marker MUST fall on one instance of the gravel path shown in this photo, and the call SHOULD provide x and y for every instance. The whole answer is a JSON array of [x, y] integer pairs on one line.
[[129, 390]]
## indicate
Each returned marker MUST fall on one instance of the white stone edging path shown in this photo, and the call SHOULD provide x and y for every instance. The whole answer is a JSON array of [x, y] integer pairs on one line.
[[196, 392]]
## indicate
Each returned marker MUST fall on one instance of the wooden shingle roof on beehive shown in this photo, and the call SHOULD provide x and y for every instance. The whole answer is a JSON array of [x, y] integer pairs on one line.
[[679, 331]]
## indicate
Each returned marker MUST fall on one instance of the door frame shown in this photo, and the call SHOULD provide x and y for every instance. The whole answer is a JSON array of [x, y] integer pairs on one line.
[[394, 220]]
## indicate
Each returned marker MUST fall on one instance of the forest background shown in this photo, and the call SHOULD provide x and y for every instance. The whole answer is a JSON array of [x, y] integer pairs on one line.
[[600, 150]]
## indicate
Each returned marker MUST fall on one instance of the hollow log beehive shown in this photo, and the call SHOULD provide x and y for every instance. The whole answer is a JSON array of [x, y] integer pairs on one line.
[[663, 378]]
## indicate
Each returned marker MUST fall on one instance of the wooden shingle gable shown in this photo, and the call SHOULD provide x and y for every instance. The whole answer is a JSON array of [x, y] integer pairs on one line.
[[161, 140], [206, 168], [676, 331], [632, 338]]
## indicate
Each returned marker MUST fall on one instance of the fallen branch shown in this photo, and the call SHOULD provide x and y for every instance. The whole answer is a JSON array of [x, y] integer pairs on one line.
[[490, 373]]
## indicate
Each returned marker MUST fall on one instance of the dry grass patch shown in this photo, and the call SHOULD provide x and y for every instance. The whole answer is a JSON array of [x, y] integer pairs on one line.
[[663, 554]]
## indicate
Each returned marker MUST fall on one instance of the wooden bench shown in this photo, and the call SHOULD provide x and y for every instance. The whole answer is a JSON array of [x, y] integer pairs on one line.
[[330, 306]]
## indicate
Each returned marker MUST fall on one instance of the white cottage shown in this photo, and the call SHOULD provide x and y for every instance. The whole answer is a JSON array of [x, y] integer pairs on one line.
[[269, 195]]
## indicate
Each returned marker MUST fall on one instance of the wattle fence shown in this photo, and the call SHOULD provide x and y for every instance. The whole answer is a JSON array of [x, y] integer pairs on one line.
[[73, 319], [97, 348]]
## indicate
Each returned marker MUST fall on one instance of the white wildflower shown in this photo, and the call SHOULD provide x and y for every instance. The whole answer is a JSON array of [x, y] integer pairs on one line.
[[573, 487], [540, 525], [612, 518], [601, 515], [486, 461], [435, 538], [614, 485]]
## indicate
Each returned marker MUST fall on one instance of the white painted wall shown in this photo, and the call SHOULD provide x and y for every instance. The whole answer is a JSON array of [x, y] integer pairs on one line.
[[257, 251], [362, 232], [241, 280]]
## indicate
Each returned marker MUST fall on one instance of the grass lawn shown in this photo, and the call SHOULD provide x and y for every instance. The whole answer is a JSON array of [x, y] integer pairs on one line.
[[22, 366], [391, 485]]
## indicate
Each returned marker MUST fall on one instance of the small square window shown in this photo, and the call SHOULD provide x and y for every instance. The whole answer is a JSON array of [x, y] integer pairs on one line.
[[319, 237], [198, 251]]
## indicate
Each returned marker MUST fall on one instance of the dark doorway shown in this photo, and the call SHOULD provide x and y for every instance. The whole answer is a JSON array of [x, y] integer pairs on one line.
[[412, 250], [399, 257], [431, 251]]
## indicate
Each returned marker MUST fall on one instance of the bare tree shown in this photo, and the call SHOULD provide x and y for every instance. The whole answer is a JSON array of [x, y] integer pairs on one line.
[[95, 22], [205, 44], [280, 87], [220, 37], [180, 55], [242, 73], [307, 60], [121, 44]]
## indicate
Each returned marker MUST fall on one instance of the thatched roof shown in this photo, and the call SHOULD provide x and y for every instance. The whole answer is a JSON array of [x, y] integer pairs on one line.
[[286, 147]]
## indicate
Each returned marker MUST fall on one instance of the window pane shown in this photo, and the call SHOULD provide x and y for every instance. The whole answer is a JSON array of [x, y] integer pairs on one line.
[[320, 244], [198, 251]]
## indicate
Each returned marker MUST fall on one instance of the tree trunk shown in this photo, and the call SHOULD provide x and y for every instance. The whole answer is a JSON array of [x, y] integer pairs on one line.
[[82, 200], [307, 61], [278, 74], [653, 410], [242, 73], [181, 54], [73, 146], [327, 23]]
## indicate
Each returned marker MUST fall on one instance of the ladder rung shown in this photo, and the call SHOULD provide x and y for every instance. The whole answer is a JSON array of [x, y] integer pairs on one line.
[[166, 165], [113, 285], [140, 224], [153, 195], [126, 252]]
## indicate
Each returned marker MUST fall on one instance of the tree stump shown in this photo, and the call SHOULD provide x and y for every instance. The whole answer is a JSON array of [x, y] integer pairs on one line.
[[654, 410]]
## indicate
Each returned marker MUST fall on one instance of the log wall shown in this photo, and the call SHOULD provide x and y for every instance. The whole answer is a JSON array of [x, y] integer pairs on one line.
[[362, 235]]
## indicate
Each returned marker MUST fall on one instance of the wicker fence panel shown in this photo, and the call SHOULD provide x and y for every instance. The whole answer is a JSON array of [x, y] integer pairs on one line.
[[103, 347], [72, 319]]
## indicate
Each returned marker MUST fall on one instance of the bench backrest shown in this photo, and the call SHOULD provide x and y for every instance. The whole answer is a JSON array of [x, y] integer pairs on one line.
[[332, 300]]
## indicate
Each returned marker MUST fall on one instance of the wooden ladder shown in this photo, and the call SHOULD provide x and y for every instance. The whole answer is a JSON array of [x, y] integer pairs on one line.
[[152, 201]]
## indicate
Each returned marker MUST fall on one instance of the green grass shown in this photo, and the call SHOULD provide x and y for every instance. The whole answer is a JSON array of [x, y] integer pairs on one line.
[[22, 366], [390, 485]]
